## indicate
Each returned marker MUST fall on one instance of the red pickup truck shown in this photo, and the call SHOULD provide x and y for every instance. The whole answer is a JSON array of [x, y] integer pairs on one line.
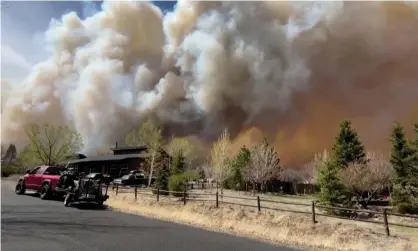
[[41, 179]]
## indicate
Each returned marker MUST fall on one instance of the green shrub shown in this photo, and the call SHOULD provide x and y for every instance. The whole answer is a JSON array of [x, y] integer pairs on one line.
[[406, 208], [8, 170], [178, 183]]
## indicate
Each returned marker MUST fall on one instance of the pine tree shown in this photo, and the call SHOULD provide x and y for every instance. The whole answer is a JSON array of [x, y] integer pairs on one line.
[[179, 165], [412, 186], [415, 140], [332, 192], [163, 171], [348, 148], [238, 165], [402, 160]]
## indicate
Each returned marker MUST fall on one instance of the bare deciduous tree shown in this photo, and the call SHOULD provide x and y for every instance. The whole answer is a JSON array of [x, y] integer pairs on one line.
[[364, 181], [177, 145], [149, 135], [309, 172], [264, 164], [310, 169], [207, 170], [49, 144], [221, 159]]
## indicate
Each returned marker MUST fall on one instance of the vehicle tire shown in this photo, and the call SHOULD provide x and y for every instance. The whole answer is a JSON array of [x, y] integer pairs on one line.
[[100, 203], [67, 200], [20, 188], [45, 192]]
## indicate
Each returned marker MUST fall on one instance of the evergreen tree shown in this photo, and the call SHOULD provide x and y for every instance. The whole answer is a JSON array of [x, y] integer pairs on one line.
[[415, 141], [238, 166], [179, 165], [402, 160], [163, 171], [412, 188], [332, 191], [348, 148]]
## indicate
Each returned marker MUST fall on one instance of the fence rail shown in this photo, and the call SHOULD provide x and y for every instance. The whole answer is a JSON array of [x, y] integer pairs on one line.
[[259, 203]]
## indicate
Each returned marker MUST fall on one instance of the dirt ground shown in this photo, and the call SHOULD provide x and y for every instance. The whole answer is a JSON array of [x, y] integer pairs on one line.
[[289, 228]]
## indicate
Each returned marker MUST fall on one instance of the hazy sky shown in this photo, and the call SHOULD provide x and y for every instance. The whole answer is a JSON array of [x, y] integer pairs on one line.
[[22, 31]]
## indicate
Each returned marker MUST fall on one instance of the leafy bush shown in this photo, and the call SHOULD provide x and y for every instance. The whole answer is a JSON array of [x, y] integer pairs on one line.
[[6, 171], [406, 208], [178, 183]]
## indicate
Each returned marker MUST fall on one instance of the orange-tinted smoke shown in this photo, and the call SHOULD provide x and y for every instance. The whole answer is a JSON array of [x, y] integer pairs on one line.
[[372, 87]]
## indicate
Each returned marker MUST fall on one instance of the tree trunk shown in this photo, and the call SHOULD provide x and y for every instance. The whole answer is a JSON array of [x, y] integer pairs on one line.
[[151, 168]]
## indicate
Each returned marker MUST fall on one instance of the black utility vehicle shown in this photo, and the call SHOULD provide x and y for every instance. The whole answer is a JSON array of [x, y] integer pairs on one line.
[[87, 189]]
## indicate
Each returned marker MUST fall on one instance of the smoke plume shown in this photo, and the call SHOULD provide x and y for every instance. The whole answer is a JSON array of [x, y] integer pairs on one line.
[[289, 71]]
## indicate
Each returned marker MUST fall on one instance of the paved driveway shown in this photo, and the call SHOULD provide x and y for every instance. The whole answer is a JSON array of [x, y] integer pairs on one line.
[[29, 223]]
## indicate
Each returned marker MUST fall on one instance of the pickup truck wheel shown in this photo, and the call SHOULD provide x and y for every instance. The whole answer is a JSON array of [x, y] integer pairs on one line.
[[20, 188], [45, 192]]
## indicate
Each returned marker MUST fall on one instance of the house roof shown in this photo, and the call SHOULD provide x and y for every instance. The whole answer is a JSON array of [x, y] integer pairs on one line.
[[129, 148], [107, 158]]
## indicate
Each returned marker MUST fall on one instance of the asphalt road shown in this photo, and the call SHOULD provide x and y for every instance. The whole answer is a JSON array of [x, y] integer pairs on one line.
[[29, 223]]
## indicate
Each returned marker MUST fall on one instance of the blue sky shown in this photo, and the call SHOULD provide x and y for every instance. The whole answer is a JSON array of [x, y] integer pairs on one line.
[[23, 25]]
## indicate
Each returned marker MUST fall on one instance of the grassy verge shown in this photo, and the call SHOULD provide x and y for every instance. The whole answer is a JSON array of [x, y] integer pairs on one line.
[[276, 227]]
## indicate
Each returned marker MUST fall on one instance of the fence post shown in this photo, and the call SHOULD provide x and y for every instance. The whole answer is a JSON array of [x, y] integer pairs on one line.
[[158, 194], [385, 219], [313, 212], [217, 200], [136, 192], [117, 189], [184, 197], [258, 203]]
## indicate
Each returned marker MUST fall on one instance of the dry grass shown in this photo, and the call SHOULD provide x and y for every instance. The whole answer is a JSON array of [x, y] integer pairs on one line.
[[277, 227]]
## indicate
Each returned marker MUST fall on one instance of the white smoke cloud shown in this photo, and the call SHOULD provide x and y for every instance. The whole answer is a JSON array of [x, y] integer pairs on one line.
[[203, 67]]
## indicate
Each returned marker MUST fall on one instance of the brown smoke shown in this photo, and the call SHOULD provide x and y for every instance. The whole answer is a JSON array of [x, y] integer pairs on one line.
[[289, 71]]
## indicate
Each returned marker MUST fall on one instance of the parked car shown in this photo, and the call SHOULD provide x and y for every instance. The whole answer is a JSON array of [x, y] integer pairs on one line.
[[137, 172], [42, 179], [131, 179]]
